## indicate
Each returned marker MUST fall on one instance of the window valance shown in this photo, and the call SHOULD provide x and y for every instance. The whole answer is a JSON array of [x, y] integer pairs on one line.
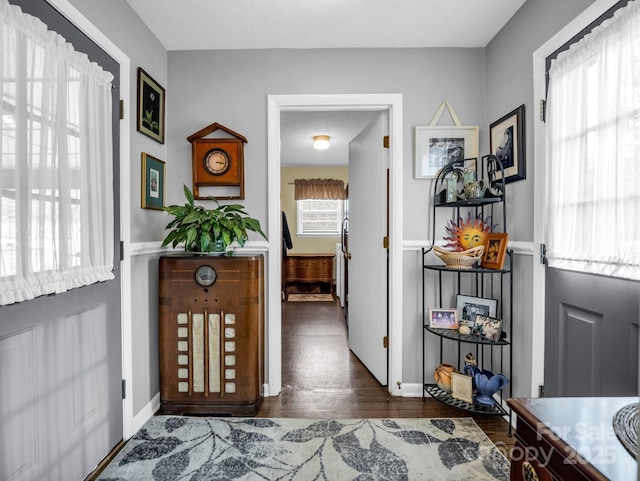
[[330, 189]]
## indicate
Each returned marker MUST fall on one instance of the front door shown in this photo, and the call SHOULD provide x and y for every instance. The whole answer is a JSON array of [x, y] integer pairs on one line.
[[60, 355], [367, 257], [591, 335]]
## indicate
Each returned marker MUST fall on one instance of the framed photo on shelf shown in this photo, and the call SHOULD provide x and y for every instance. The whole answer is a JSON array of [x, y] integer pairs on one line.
[[443, 318], [469, 307], [506, 140], [436, 146], [461, 387], [495, 249], [487, 327], [153, 182], [151, 103]]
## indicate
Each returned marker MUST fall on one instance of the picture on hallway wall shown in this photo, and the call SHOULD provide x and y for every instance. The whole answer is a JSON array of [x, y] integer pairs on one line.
[[436, 146], [150, 107], [506, 139], [153, 182]]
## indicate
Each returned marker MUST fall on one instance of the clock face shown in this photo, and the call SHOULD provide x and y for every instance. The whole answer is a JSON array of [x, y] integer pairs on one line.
[[217, 162]]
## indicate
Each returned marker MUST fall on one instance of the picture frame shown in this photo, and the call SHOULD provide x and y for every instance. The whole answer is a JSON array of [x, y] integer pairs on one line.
[[488, 327], [462, 387], [443, 318], [436, 146], [469, 307], [507, 143], [153, 182], [495, 249], [151, 107]]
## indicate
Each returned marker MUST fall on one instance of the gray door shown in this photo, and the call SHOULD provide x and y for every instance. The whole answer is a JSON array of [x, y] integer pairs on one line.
[[591, 335], [60, 355]]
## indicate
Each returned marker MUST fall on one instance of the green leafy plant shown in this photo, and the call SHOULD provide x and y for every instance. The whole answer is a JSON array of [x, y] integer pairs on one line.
[[208, 230]]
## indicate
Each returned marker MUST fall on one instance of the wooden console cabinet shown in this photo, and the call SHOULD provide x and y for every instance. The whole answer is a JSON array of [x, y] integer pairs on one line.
[[568, 439], [307, 268], [211, 336]]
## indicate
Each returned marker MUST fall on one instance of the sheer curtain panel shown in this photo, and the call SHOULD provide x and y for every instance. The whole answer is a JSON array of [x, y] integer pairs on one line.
[[593, 151], [56, 170]]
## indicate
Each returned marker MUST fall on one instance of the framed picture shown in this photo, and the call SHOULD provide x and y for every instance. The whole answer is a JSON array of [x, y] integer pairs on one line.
[[469, 307], [150, 107], [506, 140], [153, 182], [443, 318], [487, 327], [495, 249], [435, 146], [462, 387]]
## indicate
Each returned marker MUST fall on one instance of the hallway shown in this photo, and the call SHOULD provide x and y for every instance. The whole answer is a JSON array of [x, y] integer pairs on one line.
[[321, 378]]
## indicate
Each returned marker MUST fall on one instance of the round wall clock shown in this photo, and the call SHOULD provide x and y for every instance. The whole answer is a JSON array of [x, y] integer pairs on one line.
[[217, 162]]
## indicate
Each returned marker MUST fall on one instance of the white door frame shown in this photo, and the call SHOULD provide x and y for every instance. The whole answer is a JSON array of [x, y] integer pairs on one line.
[[276, 104], [80, 21], [539, 190]]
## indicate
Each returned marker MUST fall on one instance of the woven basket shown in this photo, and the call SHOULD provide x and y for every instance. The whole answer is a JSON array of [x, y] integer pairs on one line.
[[460, 259]]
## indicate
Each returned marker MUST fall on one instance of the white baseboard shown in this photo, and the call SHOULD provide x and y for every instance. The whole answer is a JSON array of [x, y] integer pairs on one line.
[[146, 413]]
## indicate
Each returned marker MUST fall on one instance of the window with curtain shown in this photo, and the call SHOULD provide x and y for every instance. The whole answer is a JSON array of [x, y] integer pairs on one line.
[[593, 151], [56, 163], [319, 207]]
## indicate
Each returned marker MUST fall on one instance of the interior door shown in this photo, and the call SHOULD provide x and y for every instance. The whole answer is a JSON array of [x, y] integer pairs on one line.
[[367, 257], [60, 355]]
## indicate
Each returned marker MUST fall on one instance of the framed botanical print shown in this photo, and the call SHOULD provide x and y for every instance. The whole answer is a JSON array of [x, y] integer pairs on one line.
[[151, 103], [153, 182]]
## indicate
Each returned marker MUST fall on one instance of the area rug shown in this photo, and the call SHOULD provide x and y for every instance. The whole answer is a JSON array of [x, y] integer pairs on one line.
[[310, 297], [170, 448]]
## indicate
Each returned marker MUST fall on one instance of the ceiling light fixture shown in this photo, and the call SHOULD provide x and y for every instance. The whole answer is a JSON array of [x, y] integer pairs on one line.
[[321, 142]]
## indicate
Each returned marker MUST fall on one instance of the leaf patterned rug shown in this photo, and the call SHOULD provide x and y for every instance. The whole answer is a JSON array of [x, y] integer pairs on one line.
[[171, 448]]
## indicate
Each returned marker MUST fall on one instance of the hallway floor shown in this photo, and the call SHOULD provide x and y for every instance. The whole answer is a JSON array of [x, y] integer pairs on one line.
[[321, 378]]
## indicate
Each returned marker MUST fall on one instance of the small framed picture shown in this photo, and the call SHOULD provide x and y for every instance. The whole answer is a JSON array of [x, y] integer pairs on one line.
[[462, 387], [495, 249], [150, 107], [488, 327], [153, 182], [443, 318], [469, 307]]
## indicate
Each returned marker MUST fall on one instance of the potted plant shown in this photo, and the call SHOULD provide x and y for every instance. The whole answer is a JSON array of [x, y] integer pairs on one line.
[[208, 230]]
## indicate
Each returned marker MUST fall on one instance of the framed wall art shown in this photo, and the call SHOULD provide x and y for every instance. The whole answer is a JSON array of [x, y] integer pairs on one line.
[[469, 307], [495, 249], [507, 143], [151, 102], [153, 182], [435, 146], [443, 318]]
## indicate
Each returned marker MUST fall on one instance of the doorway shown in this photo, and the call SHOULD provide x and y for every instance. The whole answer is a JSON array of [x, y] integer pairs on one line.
[[391, 103]]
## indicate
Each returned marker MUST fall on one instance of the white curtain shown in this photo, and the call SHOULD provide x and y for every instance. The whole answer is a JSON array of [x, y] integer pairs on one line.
[[593, 151], [56, 167]]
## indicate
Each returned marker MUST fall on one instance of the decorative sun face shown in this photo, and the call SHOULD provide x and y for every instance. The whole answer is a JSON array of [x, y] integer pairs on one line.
[[467, 234]]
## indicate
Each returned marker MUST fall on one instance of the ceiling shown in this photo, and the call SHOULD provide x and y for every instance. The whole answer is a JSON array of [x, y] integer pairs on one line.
[[303, 24]]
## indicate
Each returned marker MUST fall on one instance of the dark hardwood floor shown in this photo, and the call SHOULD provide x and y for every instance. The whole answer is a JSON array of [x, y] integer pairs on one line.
[[321, 378]]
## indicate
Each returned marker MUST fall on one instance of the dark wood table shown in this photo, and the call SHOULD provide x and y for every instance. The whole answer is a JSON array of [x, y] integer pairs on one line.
[[568, 439]]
